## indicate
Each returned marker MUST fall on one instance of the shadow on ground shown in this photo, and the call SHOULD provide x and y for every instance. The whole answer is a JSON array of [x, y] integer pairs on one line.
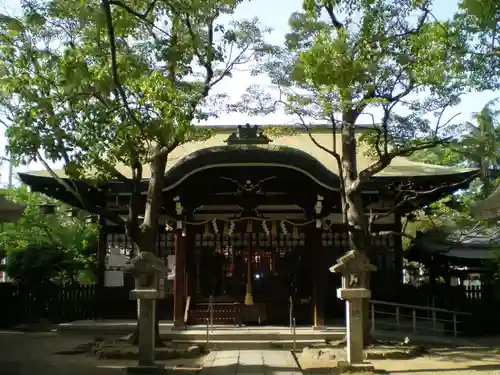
[[29, 353], [486, 368]]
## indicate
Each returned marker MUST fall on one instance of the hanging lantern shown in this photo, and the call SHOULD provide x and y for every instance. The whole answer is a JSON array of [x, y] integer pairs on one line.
[[178, 208], [249, 226], [318, 207]]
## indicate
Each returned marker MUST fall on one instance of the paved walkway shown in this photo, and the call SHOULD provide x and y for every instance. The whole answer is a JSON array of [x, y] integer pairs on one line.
[[246, 362]]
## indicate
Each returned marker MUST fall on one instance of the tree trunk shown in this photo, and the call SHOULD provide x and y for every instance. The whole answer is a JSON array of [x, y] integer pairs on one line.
[[359, 240], [353, 210], [146, 237]]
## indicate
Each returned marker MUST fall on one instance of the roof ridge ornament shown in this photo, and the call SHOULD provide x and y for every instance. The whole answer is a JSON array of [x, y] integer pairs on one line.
[[248, 135]]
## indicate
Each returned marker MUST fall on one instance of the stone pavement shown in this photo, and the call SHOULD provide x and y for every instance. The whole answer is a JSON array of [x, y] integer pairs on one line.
[[254, 362]]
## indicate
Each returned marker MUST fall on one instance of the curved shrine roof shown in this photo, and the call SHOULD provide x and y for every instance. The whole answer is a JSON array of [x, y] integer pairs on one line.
[[479, 245], [299, 145], [488, 208], [10, 211]]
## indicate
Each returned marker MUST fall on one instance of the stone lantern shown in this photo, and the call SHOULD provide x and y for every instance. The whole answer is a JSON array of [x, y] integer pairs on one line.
[[148, 271], [355, 269]]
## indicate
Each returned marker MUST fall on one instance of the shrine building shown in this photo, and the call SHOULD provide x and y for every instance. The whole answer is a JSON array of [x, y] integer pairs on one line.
[[255, 222]]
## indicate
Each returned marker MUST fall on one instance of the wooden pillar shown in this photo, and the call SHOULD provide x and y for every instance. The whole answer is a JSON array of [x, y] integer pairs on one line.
[[179, 281], [198, 279], [320, 269], [190, 267], [102, 245], [398, 249]]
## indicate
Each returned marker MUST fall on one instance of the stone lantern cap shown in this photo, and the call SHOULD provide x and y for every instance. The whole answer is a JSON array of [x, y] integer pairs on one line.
[[146, 263], [147, 270], [353, 261], [355, 268]]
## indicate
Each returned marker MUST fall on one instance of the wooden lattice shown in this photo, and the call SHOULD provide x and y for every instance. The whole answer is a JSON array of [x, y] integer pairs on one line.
[[243, 240], [121, 244]]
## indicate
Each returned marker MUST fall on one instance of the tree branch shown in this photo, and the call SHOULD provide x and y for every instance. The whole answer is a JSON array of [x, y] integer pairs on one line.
[[165, 151], [132, 226], [142, 16], [412, 196], [105, 5], [386, 159], [71, 188]]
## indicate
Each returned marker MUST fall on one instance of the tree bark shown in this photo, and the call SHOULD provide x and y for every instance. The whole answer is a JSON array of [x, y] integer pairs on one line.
[[146, 236], [353, 210]]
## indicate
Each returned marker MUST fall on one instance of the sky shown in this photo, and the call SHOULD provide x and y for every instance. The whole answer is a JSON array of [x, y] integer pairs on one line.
[[274, 14]]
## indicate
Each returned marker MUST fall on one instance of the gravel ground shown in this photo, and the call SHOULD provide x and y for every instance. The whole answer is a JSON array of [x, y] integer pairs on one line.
[[442, 361], [30, 353], [38, 353]]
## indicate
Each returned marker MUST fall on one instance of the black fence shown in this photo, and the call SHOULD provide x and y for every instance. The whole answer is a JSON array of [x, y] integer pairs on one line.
[[22, 305], [58, 304]]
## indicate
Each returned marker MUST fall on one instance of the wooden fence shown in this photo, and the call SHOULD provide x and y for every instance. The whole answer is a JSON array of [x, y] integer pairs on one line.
[[57, 304], [20, 305]]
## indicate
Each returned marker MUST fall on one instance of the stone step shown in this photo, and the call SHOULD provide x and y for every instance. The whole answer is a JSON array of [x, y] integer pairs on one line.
[[98, 328], [199, 332], [251, 344], [239, 334]]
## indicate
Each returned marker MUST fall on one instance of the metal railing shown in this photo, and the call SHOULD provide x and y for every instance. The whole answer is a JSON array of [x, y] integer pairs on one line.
[[210, 319], [292, 322], [416, 319], [208, 333], [211, 312]]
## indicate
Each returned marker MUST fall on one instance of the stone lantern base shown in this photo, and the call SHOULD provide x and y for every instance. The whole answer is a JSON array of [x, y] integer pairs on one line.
[[346, 367]]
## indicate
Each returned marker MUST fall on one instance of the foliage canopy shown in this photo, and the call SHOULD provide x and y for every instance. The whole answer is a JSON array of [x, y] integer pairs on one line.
[[42, 248], [100, 84], [391, 62]]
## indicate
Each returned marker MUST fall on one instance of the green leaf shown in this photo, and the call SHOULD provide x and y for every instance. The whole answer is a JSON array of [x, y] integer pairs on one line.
[[64, 102], [43, 248], [11, 23]]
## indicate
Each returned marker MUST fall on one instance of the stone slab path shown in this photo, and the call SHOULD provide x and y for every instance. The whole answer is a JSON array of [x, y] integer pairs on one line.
[[250, 362]]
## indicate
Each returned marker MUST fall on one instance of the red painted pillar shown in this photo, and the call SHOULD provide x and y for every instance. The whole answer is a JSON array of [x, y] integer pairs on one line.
[[180, 278]]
